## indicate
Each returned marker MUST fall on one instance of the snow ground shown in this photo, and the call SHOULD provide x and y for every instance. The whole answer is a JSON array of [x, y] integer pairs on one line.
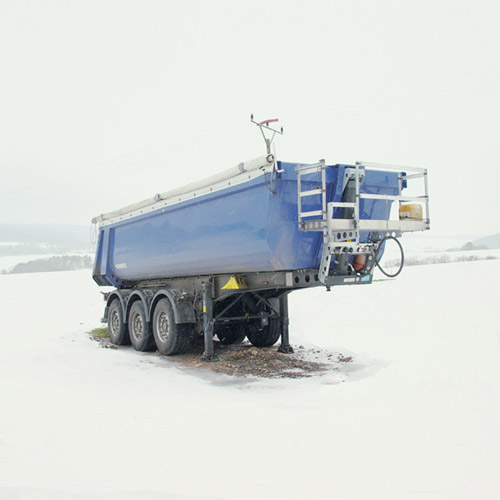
[[415, 416]]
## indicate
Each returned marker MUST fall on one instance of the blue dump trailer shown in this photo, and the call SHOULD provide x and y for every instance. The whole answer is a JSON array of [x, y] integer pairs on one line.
[[220, 256]]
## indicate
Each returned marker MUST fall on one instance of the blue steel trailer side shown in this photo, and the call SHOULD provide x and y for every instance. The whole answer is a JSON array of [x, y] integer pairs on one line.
[[251, 227]]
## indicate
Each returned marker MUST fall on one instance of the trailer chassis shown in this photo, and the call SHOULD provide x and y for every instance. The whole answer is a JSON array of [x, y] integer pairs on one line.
[[257, 301]]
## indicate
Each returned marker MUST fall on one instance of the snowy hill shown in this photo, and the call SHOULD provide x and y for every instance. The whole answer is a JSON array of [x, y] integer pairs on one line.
[[35, 239], [415, 416], [492, 241]]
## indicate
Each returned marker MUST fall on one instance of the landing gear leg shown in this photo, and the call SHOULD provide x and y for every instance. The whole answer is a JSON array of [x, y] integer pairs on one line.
[[208, 322], [285, 346]]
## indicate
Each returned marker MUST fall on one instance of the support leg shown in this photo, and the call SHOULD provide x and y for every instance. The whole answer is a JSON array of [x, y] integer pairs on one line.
[[208, 322], [285, 346]]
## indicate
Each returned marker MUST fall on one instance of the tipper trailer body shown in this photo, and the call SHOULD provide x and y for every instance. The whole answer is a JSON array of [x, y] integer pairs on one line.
[[221, 255]]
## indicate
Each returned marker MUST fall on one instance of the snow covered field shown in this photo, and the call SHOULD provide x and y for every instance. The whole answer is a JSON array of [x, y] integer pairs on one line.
[[415, 416]]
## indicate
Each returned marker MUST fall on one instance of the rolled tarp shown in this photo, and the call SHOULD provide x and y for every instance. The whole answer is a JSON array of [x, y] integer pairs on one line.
[[226, 175]]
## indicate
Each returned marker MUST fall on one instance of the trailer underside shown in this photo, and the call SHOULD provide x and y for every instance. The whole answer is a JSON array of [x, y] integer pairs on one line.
[[165, 314]]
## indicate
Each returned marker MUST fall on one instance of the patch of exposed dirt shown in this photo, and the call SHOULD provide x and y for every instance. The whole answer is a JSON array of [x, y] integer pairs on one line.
[[245, 360], [101, 335]]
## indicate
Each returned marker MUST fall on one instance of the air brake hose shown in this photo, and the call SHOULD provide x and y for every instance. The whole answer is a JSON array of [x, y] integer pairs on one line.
[[375, 255]]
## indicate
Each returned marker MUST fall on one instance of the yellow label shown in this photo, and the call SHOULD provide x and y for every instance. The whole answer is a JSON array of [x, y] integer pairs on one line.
[[235, 283], [204, 309]]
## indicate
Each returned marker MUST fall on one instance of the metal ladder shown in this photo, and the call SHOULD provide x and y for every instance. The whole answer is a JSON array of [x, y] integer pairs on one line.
[[334, 242], [342, 235], [312, 225]]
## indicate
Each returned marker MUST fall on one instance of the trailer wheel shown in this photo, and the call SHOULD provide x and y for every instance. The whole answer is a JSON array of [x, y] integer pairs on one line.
[[231, 334], [266, 336], [139, 329], [118, 333], [170, 337]]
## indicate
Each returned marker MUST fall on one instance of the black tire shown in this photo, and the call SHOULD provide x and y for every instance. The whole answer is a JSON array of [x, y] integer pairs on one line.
[[118, 332], [170, 337], [139, 329], [231, 334], [266, 336]]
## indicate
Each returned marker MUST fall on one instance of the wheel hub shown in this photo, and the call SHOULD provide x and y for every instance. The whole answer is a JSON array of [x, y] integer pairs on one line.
[[115, 322], [163, 327], [138, 326]]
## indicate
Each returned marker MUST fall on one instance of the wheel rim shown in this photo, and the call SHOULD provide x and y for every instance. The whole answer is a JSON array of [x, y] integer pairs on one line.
[[137, 326], [115, 322], [163, 327]]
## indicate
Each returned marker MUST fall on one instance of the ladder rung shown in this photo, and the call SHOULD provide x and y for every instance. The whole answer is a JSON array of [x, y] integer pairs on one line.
[[413, 176], [379, 197], [310, 192], [308, 169], [314, 225], [414, 198], [342, 204], [313, 213], [379, 225], [393, 198]]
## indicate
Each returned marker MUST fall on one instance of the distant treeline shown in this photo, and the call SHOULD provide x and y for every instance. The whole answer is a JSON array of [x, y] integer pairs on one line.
[[472, 246], [34, 239], [57, 263], [437, 259]]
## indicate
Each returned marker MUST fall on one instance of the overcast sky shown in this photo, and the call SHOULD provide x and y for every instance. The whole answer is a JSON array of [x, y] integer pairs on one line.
[[104, 103]]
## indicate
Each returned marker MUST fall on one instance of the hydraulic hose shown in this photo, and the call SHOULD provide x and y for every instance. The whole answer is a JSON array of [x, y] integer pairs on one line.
[[375, 255]]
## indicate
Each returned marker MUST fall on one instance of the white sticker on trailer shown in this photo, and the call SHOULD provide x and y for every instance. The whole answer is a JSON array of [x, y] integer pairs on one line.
[[123, 265]]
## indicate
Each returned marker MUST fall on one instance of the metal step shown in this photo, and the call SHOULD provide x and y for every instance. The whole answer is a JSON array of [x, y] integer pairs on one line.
[[342, 235]]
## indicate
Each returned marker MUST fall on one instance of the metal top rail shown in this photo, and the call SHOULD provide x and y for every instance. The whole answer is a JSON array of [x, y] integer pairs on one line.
[[387, 166]]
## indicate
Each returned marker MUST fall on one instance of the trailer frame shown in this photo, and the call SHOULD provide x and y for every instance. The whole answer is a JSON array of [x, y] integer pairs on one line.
[[205, 302]]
